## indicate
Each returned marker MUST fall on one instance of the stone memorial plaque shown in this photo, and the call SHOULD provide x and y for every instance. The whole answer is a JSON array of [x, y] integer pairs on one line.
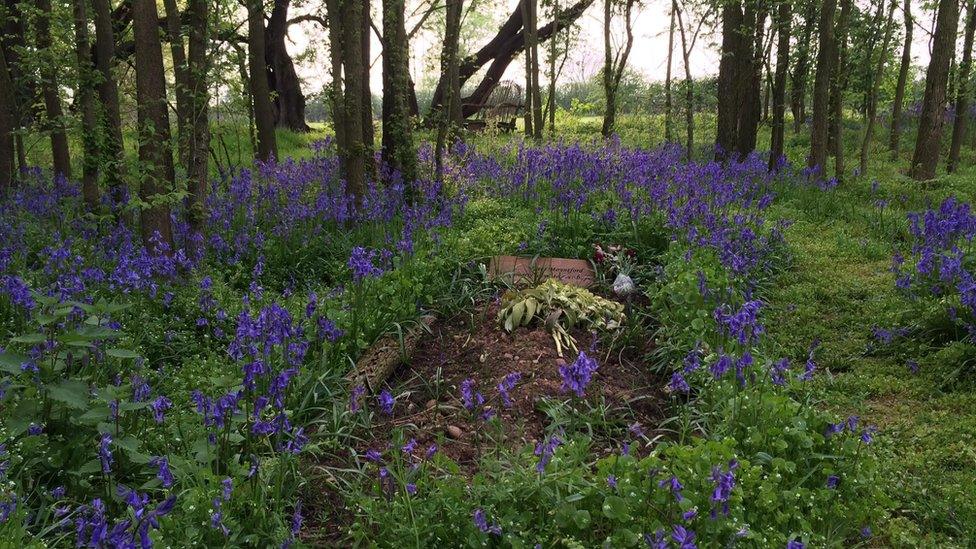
[[529, 270]]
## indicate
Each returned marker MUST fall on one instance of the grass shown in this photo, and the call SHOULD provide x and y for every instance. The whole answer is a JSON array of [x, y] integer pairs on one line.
[[837, 289]]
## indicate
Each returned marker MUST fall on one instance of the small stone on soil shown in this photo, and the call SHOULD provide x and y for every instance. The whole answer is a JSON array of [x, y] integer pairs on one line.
[[454, 432]]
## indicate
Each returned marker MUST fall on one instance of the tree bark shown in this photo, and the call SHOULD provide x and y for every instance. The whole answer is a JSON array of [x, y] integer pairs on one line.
[[614, 65], [110, 117], [668, 134], [963, 90], [289, 101], [801, 71], [198, 145], [367, 103], [821, 89], [728, 77], [894, 141], [86, 103], [536, 88], [398, 151], [174, 35], [530, 45], [352, 53], [750, 79], [155, 156], [506, 45], [450, 73], [872, 99], [260, 92], [7, 127], [837, 93], [689, 88], [930, 122], [55, 120], [336, 99], [784, 17]]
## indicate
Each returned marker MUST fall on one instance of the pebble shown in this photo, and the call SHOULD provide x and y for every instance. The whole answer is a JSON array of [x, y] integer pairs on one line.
[[454, 432]]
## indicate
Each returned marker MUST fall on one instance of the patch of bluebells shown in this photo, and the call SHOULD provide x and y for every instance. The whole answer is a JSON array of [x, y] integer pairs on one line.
[[577, 375]]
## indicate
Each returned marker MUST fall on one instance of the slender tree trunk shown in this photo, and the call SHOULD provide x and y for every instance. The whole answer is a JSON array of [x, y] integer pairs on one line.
[[336, 99], [352, 50], [872, 99], [784, 17], [728, 79], [930, 122], [530, 33], [538, 122], [551, 101], [894, 141], [86, 103], [110, 117], [369, 136], [801, 71], [155, 156], [668, 134], [450, 72], [198, 146], [750, 79], [398, 152], [7, 127], [963, 90], [289, 101], [609, 94], [689, 88], [821, 88], [614, 66], [174, 32], [840, 85], [260, 93], [55, 120]]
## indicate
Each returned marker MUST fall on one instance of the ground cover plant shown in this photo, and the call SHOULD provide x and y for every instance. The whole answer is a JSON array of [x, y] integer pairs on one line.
[[235, 312]]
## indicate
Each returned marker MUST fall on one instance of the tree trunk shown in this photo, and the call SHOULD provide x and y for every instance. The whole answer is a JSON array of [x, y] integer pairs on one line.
[[728, 78], [86, 103], [689, 89], [536, 88], [894, 141], [260, 93], [930, 122], [840, 84], [530, 45], [801, 71], [289, 101], [783, 19], [821, 88], [506, 45], [198, 146], [155, 156], [110, 117], [7, 127], [551, 100], [352, 53], [55, 120], [609, 94], [614, 65], [450, 73], [336, 99], [398, 151], [963, 90], [367, 104], [750, 79], [872, 99], [668, 134], [174, 34]]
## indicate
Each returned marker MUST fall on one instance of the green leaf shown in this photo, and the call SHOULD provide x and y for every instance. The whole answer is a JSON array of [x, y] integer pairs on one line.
[[30, 338], [71, 392], [615, 508], [10, 362], [122, 353]]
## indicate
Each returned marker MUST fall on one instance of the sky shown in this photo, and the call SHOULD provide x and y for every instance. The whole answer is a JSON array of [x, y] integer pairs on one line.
[[648, 56]]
